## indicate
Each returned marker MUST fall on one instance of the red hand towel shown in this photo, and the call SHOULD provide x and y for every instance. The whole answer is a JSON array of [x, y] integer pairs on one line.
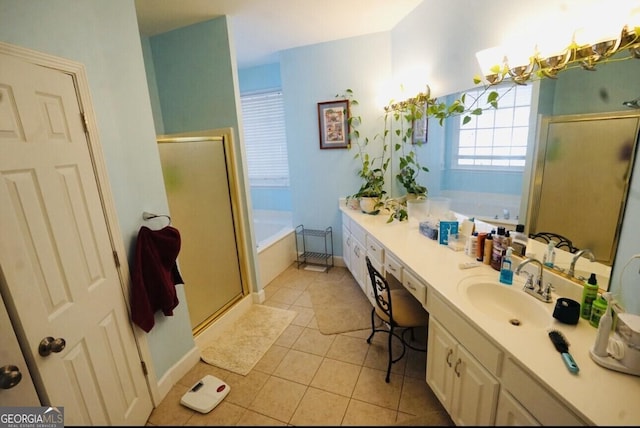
[[155, 274]]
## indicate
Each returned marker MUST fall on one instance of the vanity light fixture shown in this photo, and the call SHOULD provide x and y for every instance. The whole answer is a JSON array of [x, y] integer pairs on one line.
[[587, 48], [421, 99]]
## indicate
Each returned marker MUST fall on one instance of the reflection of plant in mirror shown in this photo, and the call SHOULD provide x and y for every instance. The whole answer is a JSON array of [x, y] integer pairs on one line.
[[403, 118], [398, 126]]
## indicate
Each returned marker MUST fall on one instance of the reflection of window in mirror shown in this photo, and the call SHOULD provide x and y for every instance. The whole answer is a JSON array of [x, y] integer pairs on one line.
[[484, 159], [496, 139]]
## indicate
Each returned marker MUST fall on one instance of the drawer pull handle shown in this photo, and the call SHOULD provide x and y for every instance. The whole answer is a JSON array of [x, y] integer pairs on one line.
[[448, 356], [456, 367], [410, 286]]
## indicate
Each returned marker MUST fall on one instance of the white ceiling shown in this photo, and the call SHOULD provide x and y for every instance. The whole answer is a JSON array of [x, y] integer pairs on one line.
[[261, 28]]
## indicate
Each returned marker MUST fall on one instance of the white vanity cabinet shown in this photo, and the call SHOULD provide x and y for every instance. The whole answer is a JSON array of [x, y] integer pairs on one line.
[[511, 413], [461, 365], [354, 251], [358, 244], [463, 386], [346, 245], [541, 404]]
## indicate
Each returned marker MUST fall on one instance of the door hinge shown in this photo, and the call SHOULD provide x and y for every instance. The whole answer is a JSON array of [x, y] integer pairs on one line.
[[116, 259], [144, 368]]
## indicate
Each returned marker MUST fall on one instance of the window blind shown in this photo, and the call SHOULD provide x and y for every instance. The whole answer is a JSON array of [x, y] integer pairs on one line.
[[265, 139]]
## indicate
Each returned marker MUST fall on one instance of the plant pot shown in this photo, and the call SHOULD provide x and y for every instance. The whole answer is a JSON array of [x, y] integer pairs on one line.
[[368, 205]]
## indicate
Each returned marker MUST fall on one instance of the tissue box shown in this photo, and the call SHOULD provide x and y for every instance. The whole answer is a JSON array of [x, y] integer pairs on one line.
[[446, 228], [429, 229]]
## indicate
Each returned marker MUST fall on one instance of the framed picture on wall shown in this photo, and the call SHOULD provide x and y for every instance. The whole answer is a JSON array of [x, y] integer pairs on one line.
[[420, 130], [333, 124]]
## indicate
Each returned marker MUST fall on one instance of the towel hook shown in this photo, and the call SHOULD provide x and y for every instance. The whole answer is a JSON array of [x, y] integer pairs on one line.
[[148, 216]]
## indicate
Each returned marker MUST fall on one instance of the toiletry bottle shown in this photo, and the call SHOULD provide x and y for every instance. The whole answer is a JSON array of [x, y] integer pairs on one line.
[[604, 329], [549, 257], [473, 245], [498, 249], [480, 253], [520, 241], [598, 309], [589, 294], [488, 249], [506, 271]]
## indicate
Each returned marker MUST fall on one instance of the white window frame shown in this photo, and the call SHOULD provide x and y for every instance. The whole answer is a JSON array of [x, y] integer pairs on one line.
[[265, 138], [497, 139]]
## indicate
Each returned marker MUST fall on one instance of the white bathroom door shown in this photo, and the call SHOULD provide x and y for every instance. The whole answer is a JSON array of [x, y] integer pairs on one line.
[[58, 274]]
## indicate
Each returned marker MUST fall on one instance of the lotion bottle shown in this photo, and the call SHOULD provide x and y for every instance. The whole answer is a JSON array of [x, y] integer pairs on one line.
[[488, 249], [506, 271]]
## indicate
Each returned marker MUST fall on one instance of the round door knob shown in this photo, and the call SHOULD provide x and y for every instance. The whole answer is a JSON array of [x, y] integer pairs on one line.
[[10, 376], [49, 345]]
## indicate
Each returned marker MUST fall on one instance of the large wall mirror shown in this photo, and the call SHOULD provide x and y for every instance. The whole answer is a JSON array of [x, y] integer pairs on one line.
[[581, 178], [557, 196]]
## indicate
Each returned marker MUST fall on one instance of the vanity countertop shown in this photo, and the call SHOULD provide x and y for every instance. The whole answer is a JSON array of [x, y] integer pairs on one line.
[[598, 395]]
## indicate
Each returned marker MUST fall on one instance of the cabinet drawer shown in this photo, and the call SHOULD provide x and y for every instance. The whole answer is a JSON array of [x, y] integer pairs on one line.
[[415, 286], [375, 250], [539, 401], [358, 232], [392, 266], [480, 347]]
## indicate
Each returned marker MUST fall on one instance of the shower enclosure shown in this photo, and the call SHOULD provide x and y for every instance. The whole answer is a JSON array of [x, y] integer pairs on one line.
[[204, 207]]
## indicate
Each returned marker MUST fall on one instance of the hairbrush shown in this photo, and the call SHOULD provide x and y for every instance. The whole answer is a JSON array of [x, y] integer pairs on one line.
[[562, 346]]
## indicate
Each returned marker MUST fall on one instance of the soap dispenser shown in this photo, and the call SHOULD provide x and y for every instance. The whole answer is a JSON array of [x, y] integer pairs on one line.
[[506, 271]]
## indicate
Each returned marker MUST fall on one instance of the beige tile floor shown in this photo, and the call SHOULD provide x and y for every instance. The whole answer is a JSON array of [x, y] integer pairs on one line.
[[308, 378]]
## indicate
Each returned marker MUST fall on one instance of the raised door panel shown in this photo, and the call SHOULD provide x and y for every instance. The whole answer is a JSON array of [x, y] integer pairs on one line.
[[441, 355], [511, 413], [59, 277], [475, 392], [346, 246], [358, 262]]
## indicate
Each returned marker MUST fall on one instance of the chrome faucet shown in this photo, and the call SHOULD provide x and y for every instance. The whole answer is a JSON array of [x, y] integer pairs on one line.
[[576, 256], [537, 290]]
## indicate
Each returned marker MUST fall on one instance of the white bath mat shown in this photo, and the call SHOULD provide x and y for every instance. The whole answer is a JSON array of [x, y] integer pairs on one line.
[[242, 344]]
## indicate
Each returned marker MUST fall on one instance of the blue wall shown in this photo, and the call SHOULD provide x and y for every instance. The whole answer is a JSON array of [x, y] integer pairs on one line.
[[193, 69], [314, 74]]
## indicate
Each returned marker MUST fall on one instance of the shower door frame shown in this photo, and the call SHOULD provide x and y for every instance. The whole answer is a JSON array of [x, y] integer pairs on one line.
[[241, 234]]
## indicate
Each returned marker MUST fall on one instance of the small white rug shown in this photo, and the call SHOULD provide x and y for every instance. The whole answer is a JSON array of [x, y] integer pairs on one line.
[[241, 345]]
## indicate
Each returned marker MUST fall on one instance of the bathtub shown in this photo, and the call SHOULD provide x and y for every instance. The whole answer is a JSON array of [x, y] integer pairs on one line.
[[275, 243]]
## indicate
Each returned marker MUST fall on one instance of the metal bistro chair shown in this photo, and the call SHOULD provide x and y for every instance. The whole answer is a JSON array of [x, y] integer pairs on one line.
[[397, 309]]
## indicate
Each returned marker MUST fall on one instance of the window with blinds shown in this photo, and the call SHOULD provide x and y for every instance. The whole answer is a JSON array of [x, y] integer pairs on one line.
[[265, 139], [496, 139]]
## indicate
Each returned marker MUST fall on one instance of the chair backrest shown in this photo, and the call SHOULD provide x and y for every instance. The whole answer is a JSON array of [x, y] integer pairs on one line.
[[561, 241], [381, 289]]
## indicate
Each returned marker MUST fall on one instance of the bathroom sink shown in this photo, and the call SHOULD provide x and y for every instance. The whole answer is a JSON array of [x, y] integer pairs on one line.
[[507, 303]]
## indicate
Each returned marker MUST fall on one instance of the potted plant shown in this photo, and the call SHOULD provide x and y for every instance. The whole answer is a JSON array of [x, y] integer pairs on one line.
[[372, 194]]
